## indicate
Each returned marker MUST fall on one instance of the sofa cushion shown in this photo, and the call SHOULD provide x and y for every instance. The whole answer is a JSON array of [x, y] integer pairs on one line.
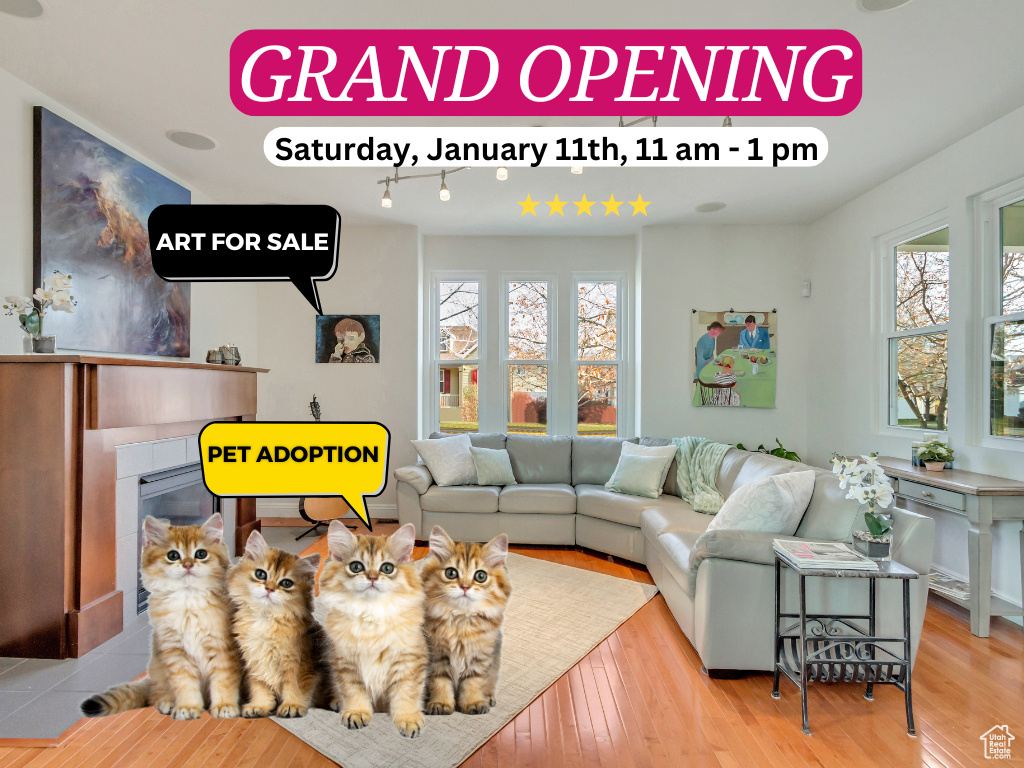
[[461, 498], [772, 504], [674, 515], [671, 485], [550, 498], [595, 501], [741, 467], [492, 466], [492, 440], [540, 458], [675, 548], [449, 461], [416, 475], [594, 458], [637, 475], [830, 516]]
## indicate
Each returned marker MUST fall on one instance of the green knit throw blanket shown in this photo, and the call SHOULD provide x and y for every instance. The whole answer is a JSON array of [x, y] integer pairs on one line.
[[698, 461]]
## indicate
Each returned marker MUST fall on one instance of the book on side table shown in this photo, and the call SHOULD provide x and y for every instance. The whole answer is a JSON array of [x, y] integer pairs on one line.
[[823, 555]]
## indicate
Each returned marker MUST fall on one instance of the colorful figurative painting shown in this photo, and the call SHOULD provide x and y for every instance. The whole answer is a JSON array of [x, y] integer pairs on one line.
[[734, 359], [348, 338], [92, 205]]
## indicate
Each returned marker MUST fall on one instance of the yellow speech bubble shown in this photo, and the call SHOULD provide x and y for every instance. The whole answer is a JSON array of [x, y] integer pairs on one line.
[[296, 458]]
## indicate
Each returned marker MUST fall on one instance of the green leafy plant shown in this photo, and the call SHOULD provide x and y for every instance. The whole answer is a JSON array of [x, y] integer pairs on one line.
[[935, 450], [781, 451]]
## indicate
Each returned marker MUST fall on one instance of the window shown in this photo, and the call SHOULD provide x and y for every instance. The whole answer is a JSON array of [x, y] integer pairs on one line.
[[916, 332], [597, 358], [527, 339], [458, 357], [1006, 329]]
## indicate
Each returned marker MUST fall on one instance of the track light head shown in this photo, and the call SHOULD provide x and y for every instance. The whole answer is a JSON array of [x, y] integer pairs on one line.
[[502, 173], [385, 202], [444, 194], [576, 169]]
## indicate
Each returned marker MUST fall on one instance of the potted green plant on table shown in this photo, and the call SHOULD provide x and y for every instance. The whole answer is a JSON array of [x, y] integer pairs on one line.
[[54, 294], [935, 454], [868, 485]]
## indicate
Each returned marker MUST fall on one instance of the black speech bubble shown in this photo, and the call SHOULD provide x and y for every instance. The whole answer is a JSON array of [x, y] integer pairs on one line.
[[202, 262]]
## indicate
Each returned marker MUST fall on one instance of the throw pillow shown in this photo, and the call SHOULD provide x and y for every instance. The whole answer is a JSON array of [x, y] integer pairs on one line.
[[773, 504], [493, 466], [667, 452], [637, 476], [448, 460]]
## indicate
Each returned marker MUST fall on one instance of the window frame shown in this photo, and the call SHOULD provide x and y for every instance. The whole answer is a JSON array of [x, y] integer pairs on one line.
[[431, 414], [885, 258], [551, 361], [988, 243], [623, 413]]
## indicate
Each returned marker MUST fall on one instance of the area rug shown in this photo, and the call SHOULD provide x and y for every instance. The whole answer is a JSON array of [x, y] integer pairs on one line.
[[556, 616]]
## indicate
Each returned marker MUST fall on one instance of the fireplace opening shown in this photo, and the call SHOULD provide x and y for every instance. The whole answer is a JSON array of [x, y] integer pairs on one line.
[[177, 495]]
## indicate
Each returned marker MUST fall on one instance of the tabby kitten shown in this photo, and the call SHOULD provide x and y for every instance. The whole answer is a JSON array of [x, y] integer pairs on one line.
[[283, 646], [374, 599], [194, 657], [467, 591]]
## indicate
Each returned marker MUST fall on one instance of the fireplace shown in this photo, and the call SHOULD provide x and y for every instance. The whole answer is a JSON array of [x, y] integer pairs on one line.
[[177, 495]]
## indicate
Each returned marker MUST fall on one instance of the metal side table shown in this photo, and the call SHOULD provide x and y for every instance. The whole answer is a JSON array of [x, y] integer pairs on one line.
[[830, 648]]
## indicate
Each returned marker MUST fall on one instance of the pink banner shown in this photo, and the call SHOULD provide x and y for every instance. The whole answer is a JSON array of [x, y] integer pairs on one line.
[[394, 73]]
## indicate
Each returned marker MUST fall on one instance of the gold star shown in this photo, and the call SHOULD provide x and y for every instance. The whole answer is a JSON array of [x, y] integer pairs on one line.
[[557, 206], [640, 205], [529, 205], [612, 205], [584, 205]]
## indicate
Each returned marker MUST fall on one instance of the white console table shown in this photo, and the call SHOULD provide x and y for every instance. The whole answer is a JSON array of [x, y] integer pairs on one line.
[[983, 499]]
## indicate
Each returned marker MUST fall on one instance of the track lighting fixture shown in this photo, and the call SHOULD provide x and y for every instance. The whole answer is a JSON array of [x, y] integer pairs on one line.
[[577, 169], [385, 202], [502, 173], [444, 194]]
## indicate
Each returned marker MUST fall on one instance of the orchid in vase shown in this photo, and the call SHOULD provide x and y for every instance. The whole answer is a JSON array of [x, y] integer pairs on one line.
[[55, 294], [868, 485]]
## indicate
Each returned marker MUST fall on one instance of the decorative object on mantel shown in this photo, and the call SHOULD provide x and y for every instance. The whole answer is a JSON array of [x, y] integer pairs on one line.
[[935, 454], [868, 485], [224, 355], [54, 294], [92, 202], [928, 438]]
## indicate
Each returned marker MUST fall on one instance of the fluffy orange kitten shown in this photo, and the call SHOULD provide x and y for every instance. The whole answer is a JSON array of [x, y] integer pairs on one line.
[[374, 599], [467, 591], [194, 658], [283, 646]]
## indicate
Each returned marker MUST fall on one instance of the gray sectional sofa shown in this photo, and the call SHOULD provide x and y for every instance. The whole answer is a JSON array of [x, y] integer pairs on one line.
[[718, 584]]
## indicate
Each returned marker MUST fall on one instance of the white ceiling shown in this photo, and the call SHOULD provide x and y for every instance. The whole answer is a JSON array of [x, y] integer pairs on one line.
[[934, 71]]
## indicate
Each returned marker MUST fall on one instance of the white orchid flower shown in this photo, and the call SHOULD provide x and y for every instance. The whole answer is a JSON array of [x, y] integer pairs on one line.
[[43, 295], [63, 306], [871, 463], [58, 281], [18, 305]]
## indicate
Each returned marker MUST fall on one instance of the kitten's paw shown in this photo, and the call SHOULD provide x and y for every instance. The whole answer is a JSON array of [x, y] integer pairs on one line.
[[354, 719], [254, 710], [440, 708], [492, 702], [409, 725], [224, 710], [291, 710], [335, 704], [187, 713], [476, 707], [164, 707]]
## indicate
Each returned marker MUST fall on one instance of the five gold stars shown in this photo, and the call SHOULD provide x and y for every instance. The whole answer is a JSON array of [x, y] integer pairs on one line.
[[583, 205]]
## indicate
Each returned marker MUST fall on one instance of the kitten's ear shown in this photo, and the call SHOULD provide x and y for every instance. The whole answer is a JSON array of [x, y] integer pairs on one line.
[[401, 543], [340, 540], [155, 531], [441, 545], [309, 564], [213, 528], [256, 547], [495, 551]]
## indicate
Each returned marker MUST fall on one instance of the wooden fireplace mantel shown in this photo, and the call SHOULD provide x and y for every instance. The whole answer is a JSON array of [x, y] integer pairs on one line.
[[61, 418]]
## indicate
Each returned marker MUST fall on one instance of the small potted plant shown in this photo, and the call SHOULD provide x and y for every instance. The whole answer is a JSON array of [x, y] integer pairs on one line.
[[55, 294], [935, 454], [869, 485]]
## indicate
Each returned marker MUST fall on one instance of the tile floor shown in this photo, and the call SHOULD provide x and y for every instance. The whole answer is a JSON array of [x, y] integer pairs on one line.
[[40, 698]]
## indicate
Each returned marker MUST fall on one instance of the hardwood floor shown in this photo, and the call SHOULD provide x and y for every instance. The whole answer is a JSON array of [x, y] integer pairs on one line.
[[639, 700]]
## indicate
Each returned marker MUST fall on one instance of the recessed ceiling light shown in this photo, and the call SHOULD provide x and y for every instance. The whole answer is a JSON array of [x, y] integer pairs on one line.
[[188, 139], [710, 207], [25, 9], [880, 5]]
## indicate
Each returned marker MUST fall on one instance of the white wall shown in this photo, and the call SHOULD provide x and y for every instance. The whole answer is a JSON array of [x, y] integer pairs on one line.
[[559, 257], [378, 275], [221, 313], [844, 411], [708, 268]]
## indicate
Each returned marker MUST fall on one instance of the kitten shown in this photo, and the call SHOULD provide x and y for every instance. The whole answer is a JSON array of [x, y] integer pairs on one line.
[[375, 622], [283, 646], [467, 591], [194, 656]]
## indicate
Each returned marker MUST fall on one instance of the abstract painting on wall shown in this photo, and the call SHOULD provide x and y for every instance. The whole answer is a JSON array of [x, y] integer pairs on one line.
[[348, 338], [734, 359], [92, 205]]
